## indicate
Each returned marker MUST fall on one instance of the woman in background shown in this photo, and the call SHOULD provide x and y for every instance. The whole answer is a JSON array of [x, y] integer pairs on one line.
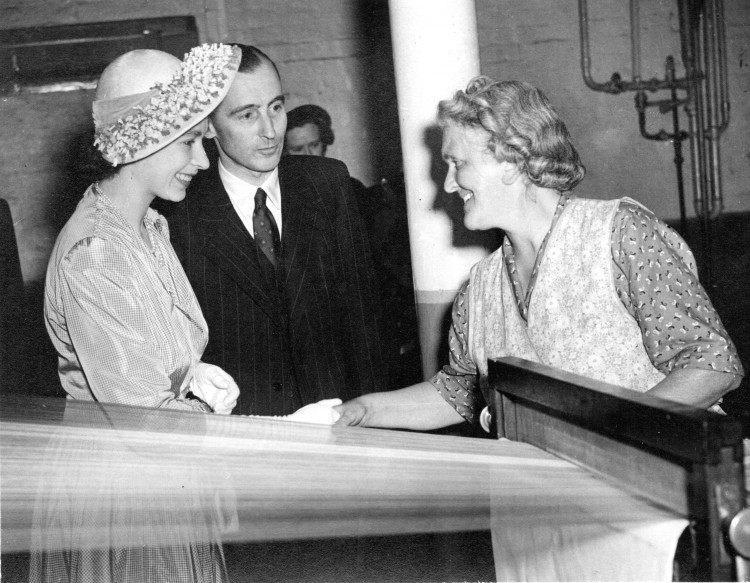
[[118, 306], [308, 131]]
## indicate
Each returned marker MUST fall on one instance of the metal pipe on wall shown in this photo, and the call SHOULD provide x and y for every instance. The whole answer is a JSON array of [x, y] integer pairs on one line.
[[706, 103], [616, 84], [432, 60], [635, 40]]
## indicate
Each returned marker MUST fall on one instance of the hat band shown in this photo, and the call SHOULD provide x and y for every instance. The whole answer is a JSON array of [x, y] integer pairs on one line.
[[131, 127], [108, 111]]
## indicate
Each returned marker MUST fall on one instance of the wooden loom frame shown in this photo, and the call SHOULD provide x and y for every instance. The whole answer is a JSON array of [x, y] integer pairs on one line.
[[683, 459]]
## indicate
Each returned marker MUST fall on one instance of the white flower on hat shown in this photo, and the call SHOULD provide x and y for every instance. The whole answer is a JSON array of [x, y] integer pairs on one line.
[[157, 117]]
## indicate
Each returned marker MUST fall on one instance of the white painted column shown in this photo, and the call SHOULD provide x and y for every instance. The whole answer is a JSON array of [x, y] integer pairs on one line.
[[435, 52]]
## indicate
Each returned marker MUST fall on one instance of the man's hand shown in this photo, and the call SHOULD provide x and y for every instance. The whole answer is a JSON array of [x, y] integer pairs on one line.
[[215, 387]]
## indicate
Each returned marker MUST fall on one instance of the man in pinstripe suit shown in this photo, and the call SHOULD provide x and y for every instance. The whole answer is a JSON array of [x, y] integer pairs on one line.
[[298, 324]]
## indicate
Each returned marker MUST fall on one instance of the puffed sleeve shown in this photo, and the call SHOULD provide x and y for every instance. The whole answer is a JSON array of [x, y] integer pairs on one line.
[[457, 382], [656, 279], [111, 334]]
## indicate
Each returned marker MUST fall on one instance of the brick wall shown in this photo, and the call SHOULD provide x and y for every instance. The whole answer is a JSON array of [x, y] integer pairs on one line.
[[41, 131], [537, 40], [337, 53]]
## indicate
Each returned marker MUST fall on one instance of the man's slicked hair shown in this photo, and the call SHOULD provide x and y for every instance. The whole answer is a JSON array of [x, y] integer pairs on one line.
[[252, 58]]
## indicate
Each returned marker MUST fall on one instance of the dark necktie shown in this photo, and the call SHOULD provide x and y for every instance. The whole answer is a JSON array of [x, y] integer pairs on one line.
[[264, 225]]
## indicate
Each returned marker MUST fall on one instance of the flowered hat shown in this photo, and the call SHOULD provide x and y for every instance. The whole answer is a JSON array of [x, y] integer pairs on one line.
[[146, 99]]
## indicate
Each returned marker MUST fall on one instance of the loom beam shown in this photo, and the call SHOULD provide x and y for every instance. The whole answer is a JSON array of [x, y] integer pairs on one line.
[[680, 458]]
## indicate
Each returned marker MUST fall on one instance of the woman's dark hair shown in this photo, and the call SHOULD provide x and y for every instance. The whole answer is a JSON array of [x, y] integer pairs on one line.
[[90, 166], [524, 129], [314, 114]]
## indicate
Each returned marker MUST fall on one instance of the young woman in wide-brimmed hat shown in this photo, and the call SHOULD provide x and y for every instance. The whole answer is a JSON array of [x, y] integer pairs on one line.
[[118, 306]]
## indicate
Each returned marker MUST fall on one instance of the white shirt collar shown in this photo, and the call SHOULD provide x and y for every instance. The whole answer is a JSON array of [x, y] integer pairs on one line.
[[242, 195]]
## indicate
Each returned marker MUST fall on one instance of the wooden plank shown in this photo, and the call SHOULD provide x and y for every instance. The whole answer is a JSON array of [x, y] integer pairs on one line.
[[679, 457], [668, 429], [660, 480]]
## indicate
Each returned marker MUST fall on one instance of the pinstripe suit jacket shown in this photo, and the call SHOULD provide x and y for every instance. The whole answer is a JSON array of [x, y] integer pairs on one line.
[[306, 332]]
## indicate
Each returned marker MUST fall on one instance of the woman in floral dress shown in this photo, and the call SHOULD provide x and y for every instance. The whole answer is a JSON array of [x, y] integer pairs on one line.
[[599, 288]]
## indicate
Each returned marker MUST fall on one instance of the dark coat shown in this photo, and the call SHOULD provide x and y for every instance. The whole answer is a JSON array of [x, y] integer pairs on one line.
[[306, 332]]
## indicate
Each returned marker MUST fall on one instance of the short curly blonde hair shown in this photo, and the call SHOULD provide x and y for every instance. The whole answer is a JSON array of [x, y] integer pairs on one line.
[[524, 129]]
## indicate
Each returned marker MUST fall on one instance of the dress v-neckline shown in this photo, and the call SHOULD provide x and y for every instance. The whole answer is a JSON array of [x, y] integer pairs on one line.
[[152, 249], [523, 300]]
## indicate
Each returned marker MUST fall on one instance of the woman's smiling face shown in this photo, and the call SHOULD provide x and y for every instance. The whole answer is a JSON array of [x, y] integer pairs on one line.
[[167, 173], [475, 174]]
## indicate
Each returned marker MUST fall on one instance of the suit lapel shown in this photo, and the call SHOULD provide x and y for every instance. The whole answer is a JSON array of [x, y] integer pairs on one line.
[[300, 206], [226, 242]]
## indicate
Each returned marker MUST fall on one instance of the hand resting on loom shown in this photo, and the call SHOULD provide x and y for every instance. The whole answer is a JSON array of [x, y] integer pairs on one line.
[[598, 288], [215, 387], [319, 413]]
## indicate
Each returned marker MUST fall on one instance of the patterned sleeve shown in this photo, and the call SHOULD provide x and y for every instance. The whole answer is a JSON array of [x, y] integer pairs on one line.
[[113, 341], [457, 381], [655, 278]]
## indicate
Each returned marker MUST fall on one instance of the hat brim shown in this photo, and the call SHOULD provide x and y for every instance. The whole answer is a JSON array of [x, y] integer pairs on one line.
[[153, 120], [185, 126]]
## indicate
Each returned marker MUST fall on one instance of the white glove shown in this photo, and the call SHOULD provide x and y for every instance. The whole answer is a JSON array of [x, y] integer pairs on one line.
[[485, 419], [322, 413], [215, 387]]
